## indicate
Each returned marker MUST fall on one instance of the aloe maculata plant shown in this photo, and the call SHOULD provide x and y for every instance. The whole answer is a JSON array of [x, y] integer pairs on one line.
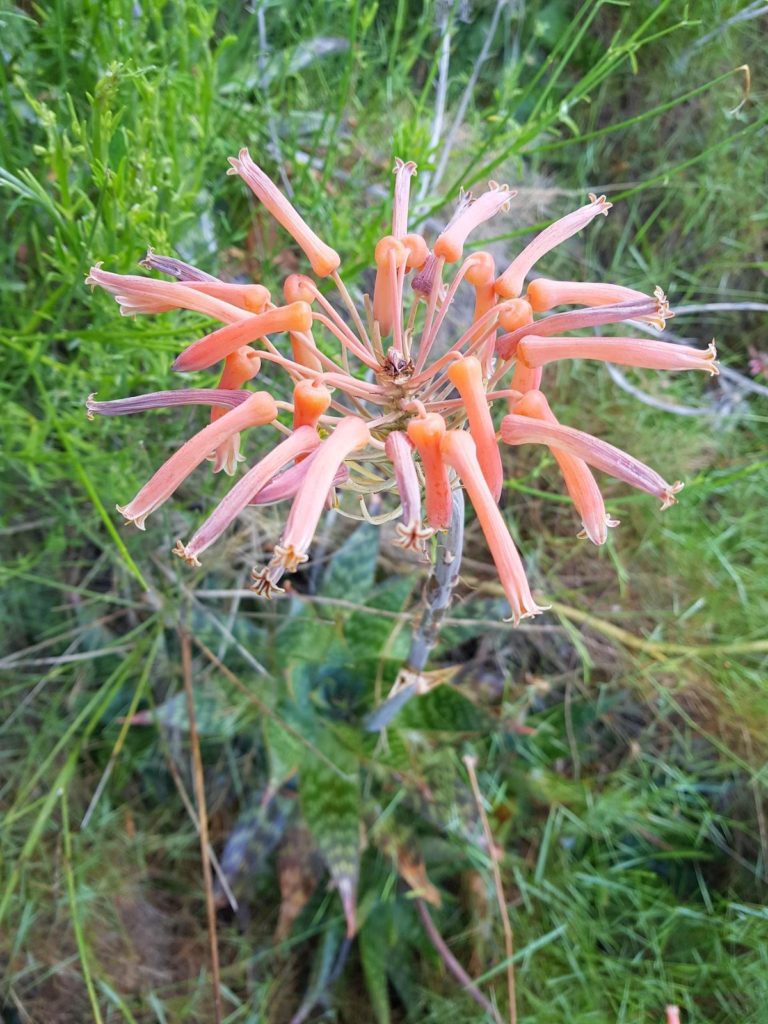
[[403, 409]]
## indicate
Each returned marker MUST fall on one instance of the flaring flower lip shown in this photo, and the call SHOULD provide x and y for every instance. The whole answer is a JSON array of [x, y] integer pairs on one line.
[[323, 258], [640, 352], [394, 421], [458, 451], [259, 408], [517, 429]]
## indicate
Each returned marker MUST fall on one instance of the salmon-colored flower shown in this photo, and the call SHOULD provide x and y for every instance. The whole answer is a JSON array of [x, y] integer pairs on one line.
[[426, 433], [323, 258], [466, 375], [258, 409], [458, 451], [649, 355], [404, 425], [510, 283], [579, 481], [517, 429]]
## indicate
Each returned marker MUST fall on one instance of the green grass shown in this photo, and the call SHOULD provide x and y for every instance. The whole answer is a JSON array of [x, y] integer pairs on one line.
[[633, 821]]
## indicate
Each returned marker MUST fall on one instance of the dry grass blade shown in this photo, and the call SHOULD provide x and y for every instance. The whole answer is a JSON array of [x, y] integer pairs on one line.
[[202, 813], [509, 943]]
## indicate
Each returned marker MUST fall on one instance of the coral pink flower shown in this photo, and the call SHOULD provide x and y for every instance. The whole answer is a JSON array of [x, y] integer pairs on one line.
[[350, 435], [510, 283], [383, 424], [580, 484], [450, 244], [426, 433], [149, 295], [458, 451], [323, 258], [517, 429], [296, 316], [543, 295], [301, 441], [467, 377], [649, 355], [258, 409]]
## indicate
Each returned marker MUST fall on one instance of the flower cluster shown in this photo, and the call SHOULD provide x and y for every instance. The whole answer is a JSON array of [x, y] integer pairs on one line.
[[401, 408]]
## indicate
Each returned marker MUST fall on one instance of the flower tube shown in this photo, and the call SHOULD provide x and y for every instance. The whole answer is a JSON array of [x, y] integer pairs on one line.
[[466, 375], [303, 440], [350, 434], [239, 367], [450, 243], [543, 294], [390, 256], [458, 451], [516, 429], [137, 295], [640, 352], [426, 433], [403, 171], [510, 283], [257, 410], [296, 316], [323, 258], [410, 530], [579, 481]]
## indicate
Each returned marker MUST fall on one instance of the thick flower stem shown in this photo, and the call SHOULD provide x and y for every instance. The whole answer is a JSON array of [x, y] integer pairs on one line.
[[437, 599], [440, 585]]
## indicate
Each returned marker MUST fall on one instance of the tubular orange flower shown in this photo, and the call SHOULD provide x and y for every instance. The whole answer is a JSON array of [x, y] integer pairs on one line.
[[301, 441], [426, 433], [390, 255], [517, 429], [510, 284], [323, 258], [544, 294], [257, 410], [393, 425], [350, 435], [458, 451], [450, 244], [580, 484], [296, 316], [149, 295], [466, 375], [649, 355]]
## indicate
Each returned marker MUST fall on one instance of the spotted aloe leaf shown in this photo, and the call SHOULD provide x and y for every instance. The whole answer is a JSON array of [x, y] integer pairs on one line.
[[214, 715], [330, 802], [351, 571]]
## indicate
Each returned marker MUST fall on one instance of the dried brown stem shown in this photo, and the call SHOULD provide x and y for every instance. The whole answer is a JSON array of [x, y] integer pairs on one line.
[[509, 943], [452, 963], [202, 814]]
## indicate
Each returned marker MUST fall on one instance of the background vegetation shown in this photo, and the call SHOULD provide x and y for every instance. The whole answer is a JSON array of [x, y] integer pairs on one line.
[[620, 741]]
